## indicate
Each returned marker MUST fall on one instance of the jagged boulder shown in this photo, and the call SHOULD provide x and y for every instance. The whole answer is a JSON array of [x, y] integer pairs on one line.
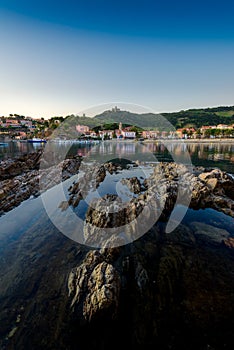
[[96, 285], [103, 292], [133, 183]]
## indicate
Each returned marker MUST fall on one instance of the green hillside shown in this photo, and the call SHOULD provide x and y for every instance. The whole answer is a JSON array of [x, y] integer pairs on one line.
[[191, 117], [199, 117], [148, 120]]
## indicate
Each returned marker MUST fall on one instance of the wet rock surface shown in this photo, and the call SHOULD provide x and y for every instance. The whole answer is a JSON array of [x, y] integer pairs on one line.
[[96, 284], [133, 183], [197, 187], [25, 163], [22, 178], [168, 182]]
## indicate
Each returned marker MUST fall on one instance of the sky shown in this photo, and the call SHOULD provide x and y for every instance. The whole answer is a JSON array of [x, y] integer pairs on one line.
[[63, 57]]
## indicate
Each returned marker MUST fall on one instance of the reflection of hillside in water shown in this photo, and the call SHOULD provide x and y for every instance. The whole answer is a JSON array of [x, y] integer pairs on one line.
[[219, 155], [207, 155]]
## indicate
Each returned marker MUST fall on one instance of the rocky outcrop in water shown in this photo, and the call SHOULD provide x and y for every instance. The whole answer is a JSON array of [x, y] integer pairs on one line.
[[205, 189], [133, 183], [168, 293], [10, 168], [162, 189], [22, 178], [95, 284], [91, 179]]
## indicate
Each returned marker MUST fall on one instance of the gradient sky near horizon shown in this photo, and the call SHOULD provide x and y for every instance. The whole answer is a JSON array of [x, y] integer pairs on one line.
[[61, 57]]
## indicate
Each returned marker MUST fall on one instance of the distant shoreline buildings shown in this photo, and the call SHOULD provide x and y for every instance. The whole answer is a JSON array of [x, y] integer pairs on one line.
[[181, 133], [20, 127]]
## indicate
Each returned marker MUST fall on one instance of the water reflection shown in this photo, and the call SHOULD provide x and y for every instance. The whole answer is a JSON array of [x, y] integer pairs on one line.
[[203, 154], [218, 154], [16, 148]]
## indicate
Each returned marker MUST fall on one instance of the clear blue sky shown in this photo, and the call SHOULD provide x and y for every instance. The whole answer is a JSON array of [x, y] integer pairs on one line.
[[60, 57]]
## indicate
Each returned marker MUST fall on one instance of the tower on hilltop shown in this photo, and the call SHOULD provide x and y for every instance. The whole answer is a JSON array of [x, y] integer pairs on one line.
[[115, 109]]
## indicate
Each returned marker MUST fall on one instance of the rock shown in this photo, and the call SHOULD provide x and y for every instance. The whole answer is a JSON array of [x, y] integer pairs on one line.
[[212, 183], [133, 184], [209, 233], [64, 205], [181, 235], [168, 182], [96, 285], [103, 292], [78, 277], [13, 167], [141, 276], [219, 182], [229, 242], [112, 167], [203, 176], [22, 179], [2, 194]]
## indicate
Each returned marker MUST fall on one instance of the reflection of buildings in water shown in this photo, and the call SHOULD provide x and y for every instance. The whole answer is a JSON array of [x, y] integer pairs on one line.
[[22, 146], [214, 152], [118, 148], [173, 148], [125, 148], [106, 148], [84, 151]]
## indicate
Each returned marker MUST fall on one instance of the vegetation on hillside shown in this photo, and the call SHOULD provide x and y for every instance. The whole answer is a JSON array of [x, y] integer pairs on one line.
[[189, 118]]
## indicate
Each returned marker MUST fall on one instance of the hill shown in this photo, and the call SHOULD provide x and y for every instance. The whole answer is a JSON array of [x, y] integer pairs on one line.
[[188, 118], [199, 117], [147, 120], [191, 117]]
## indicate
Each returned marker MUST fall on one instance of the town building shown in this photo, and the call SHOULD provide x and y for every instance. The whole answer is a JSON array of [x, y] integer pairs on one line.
[[106, 133], [82, 129], [150, 134], [125, 133], [184, 133], [26, 122], [128, 134], [223, 126]]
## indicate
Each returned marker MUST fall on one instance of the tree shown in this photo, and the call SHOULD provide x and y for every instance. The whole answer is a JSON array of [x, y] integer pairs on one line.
[[136, 130], [207, 133]]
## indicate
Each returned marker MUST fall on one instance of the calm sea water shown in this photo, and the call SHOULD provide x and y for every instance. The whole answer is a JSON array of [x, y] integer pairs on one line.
[[212, 154], [32, 212], [30, 244]]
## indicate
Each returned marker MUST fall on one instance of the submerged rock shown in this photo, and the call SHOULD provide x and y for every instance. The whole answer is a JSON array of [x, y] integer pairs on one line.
[[96, 285], [229, 242], [102, 298], [209, 233]]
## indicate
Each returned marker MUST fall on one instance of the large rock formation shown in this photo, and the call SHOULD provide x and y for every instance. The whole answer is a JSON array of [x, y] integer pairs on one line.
[[10, 168], [168, 182], [22, 178], [165, 290], [95, 284], [133, 183]]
